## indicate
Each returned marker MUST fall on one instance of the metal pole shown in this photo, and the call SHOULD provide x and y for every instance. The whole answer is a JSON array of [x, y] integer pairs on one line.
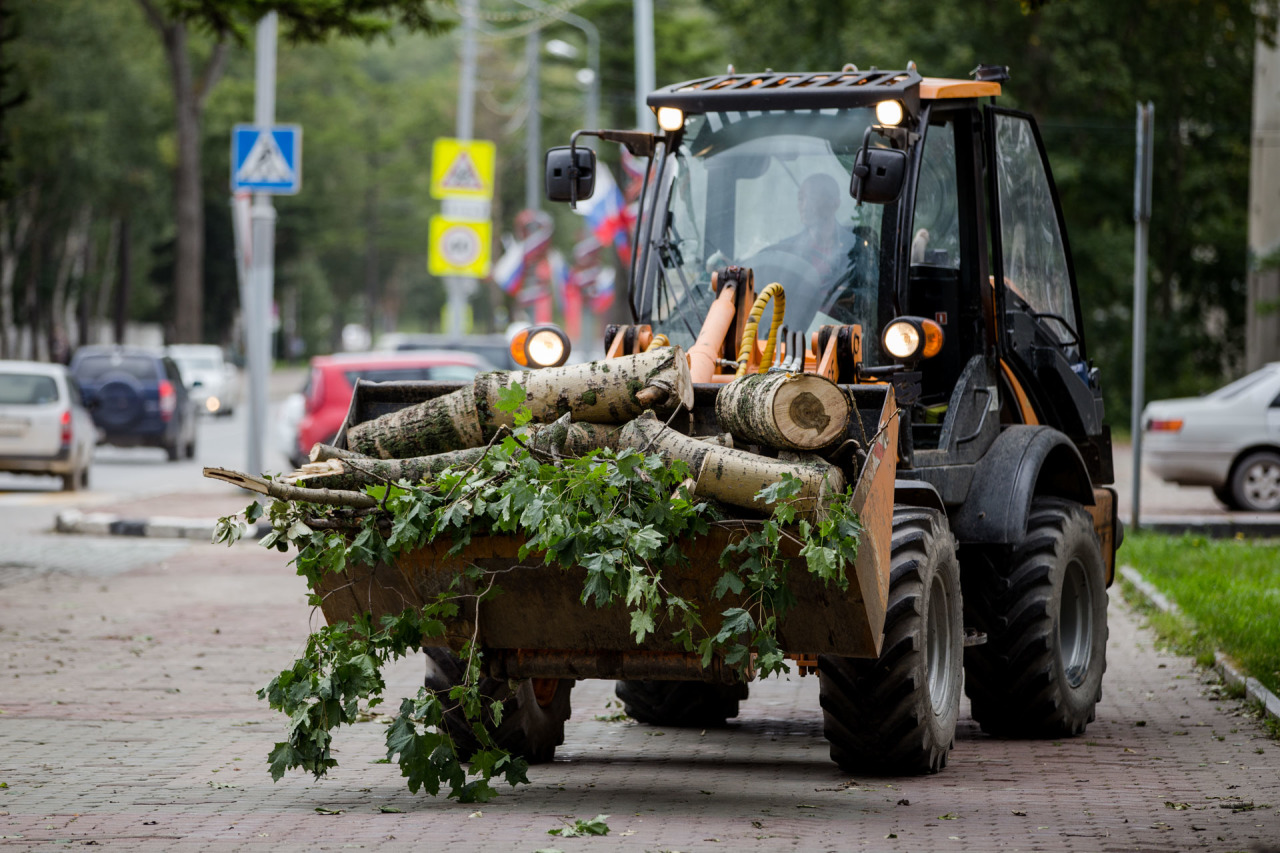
[[592, 34], [458, 289], [261, 271], [533, 124], [1142, 220], [645, 77]]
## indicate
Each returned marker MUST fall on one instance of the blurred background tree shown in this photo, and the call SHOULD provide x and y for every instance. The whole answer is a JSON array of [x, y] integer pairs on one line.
[[93, 149]]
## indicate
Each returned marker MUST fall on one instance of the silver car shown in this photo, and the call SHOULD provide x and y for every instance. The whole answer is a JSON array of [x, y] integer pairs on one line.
[[44, 427], [1229, 440], [212, 381]]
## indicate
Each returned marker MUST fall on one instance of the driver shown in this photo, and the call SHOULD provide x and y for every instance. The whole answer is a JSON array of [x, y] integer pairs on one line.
[[822, 242]]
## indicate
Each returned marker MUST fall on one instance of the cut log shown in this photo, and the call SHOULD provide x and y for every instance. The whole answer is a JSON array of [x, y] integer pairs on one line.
[[734, 476], [600, 392], [322, 452], [795, 411]]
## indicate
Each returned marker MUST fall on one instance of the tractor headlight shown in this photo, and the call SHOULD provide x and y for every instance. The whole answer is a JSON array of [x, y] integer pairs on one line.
[[912, 338], [670, 119], [890, 113], [540, 346]]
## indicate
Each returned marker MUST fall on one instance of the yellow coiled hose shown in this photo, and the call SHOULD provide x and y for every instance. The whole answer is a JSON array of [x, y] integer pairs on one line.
[[659, 340], [779, 296]]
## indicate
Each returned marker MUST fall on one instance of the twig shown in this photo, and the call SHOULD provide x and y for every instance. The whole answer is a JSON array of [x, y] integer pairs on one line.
[[285, 492]]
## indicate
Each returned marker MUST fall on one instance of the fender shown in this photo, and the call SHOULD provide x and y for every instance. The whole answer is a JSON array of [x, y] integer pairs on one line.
[[918, 493], [1023, 462]]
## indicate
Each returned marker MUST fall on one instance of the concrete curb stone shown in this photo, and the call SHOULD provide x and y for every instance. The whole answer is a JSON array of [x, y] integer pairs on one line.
[[1230, 675], [159, 526]]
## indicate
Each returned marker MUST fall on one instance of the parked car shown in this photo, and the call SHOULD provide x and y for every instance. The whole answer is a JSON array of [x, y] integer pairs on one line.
[[137, 398], [1229, 440], [333, 377], [495, 349], [44, 426], [211, 380]]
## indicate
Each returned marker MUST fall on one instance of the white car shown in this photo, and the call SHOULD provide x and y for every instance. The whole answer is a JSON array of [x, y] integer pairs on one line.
[[211, 380], [1229, 440], [44, 426]]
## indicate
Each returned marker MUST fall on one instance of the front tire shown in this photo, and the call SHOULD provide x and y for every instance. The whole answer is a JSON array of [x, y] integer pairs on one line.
[[897, 715], [1044, 611], [691, 704], [530, 729]]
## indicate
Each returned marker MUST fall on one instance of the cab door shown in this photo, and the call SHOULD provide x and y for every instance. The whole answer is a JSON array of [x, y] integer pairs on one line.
[[1040, 336]]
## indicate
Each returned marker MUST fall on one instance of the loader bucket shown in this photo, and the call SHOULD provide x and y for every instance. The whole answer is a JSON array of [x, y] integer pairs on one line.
[[538, 625]]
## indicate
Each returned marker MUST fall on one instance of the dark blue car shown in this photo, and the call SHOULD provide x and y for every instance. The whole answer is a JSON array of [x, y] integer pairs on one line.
[[137, 398]]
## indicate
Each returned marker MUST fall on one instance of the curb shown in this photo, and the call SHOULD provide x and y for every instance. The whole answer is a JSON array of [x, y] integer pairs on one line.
[[157, 527], [1230, 675], [1225, 528]]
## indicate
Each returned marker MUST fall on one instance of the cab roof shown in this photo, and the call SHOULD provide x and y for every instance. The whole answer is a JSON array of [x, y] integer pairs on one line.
[[792, 90]]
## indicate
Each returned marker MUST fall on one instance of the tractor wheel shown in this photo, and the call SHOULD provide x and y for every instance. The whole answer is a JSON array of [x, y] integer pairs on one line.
[[897, 715], [680, 703], [532, 719], [1044, 611]]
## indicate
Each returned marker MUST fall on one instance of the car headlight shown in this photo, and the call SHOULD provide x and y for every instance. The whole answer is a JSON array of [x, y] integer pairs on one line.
[[212, 404]]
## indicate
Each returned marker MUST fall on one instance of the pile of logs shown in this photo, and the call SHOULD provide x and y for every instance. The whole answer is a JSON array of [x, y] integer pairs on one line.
[[616, 403]]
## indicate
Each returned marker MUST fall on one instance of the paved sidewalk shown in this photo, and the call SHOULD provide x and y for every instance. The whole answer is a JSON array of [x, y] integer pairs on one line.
[[129, 722]]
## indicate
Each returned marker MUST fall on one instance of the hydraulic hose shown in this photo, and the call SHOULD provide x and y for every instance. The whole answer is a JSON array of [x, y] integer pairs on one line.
[[779, 296]]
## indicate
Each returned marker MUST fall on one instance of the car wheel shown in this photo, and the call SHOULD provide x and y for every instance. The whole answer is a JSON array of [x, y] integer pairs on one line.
[[1255, 484], [71, 482], [190, 451], [84, 477], [173, 451]]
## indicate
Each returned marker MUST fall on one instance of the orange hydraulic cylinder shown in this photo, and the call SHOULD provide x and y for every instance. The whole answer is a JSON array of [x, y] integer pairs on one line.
[[710, 343]]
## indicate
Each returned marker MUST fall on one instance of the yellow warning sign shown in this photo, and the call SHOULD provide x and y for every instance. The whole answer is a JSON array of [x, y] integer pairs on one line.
[[460, 247], [462, 168]]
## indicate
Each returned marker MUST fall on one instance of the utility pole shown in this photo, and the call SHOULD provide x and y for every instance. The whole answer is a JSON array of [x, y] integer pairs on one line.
[[646, 80], [1262, 313], [533, 122], [1141, 223], [261, 282]]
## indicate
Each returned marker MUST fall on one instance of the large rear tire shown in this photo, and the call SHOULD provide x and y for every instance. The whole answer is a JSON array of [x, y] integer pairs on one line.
[[691, 704], [1044, 611], [897, 715], [529, 729]]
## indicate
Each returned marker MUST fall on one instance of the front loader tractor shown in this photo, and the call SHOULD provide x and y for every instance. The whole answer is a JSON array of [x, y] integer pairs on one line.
[[900, 236]]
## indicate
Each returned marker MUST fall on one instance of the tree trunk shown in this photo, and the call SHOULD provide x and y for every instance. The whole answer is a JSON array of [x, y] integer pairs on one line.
[[734, 476], [795, 411], [124, 281], [600, 392], [15, 223]]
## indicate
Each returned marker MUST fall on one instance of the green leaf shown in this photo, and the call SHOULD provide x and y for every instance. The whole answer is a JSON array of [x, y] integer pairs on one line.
[[641, 624], [510, 399], [253, 512], [729, 583], [595, 826]]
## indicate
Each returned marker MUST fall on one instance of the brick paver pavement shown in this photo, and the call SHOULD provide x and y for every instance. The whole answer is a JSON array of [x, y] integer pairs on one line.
[[129, 721]]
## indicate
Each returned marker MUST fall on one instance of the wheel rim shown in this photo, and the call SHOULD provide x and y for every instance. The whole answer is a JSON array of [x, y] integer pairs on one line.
[[940, 648], [1075, 624], [1262, 484]]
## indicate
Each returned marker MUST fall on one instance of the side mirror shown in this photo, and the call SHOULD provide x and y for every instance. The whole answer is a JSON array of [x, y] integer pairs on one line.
[[878, 175], [567, 166]]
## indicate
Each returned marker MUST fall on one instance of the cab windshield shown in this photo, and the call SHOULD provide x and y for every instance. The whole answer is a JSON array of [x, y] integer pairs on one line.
[[769, 191]]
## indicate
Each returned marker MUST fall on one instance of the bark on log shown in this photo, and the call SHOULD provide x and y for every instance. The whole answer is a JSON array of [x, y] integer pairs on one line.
[[734, 476], [600, 392], [795, 411], [287, 492]]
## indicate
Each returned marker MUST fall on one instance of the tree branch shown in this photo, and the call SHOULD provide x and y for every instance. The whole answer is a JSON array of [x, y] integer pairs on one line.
[[212, 71]]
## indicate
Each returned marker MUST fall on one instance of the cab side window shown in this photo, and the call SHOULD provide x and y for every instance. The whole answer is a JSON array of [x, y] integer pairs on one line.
[[1032, 248], [935, 231]]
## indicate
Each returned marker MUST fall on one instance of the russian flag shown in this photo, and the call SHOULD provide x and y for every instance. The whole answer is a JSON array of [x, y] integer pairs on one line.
[[606, 211], [508, 272]]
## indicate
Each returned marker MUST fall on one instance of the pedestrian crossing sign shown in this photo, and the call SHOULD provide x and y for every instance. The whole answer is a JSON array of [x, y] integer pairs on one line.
[[266, 159], [462, 168]]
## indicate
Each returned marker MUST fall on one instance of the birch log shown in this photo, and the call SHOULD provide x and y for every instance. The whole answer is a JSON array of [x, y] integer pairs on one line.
[[730, 475], [612, 391], [794, 411]]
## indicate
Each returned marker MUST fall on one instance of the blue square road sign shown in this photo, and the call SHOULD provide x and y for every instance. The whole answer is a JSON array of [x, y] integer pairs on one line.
[[266, 159]]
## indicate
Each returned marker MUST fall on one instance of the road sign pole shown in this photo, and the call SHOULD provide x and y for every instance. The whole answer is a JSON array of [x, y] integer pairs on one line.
[[457, 289], [1141, 221], [257, 308]]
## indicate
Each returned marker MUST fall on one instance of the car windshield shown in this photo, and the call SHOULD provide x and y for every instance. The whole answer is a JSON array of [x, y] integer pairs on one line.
[[93, 367], [769, 191], [198, 362], [27, 389]]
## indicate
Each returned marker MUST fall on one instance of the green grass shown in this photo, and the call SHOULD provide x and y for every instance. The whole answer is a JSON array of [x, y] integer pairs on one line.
[[1228, 590]]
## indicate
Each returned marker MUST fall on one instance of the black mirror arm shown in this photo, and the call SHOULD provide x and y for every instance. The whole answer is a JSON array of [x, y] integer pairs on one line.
[[862, 169]]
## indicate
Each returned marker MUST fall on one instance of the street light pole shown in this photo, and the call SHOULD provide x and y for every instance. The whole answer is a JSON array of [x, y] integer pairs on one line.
[[646, 80]]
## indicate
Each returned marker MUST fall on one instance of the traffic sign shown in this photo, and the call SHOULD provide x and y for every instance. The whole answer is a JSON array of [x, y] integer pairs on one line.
[[460, 247], [462, 168], [266, 159]]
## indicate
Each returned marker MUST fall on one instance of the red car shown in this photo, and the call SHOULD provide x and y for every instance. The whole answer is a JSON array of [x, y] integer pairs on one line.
[[333, 379]]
